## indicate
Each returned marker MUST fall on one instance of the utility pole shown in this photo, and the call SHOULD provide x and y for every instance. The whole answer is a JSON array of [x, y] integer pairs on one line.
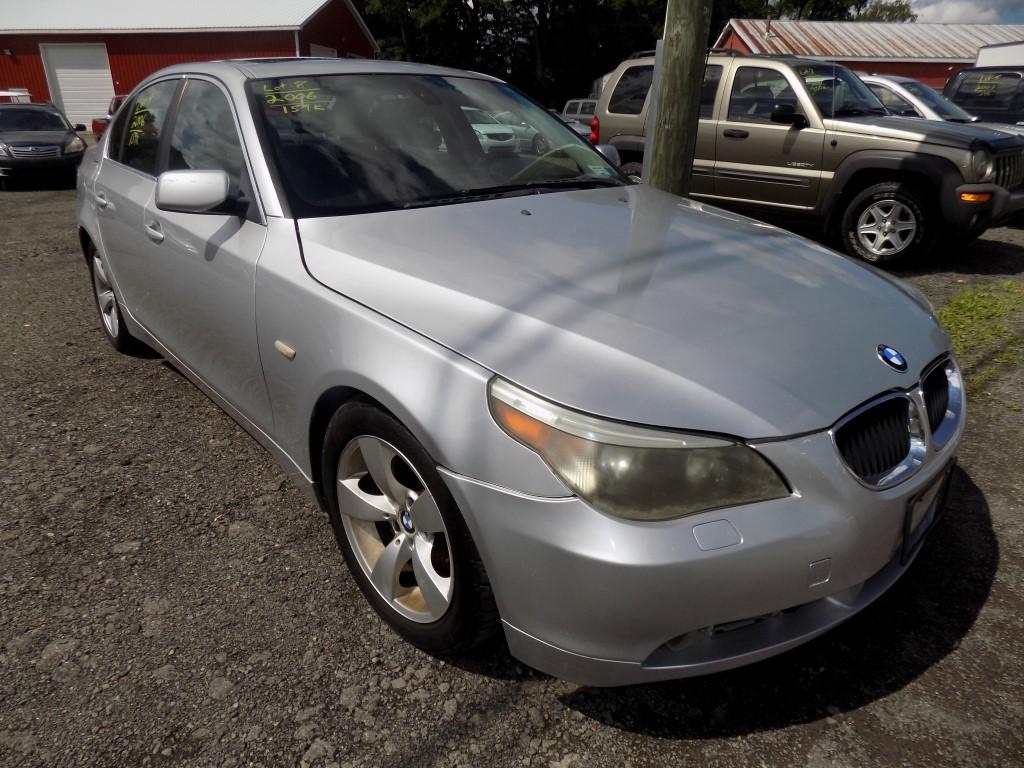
[[684, 51]]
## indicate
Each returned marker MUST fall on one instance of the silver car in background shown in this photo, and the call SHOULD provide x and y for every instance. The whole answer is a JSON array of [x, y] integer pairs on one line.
[[907, 97], [642, 437]]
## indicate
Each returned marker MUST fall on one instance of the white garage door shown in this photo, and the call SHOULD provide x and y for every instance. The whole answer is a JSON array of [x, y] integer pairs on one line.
[[78, 75]]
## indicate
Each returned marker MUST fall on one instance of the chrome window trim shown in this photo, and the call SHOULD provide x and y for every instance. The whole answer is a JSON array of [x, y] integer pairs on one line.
[[923, 444]]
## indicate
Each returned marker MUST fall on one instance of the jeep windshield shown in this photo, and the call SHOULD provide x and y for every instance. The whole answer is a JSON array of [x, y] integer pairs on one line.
[[345, 144], [838, 92]]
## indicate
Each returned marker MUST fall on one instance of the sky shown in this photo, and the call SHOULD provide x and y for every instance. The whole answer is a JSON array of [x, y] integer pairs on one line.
[[970, 11]]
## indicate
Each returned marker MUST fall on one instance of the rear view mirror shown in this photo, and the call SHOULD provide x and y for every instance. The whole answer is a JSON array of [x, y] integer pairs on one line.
[[787, 114], [79, 127], [191, 191]]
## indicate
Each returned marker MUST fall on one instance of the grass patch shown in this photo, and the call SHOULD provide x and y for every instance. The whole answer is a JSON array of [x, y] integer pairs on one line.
[[985, 324]]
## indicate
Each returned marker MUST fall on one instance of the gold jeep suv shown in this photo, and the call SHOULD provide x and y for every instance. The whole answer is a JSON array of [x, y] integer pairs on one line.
[[803, 137]]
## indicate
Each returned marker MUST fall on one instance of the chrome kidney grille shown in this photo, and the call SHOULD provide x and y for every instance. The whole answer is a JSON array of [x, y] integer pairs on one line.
[[888, 439]]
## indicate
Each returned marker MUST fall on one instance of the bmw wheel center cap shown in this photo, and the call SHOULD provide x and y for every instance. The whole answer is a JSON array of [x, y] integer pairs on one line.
[[892, 358], [406, 520]]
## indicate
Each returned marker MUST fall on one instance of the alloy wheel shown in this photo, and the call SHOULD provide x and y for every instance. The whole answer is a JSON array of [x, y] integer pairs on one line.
[[105, 299], [395, 529], [886, 227]]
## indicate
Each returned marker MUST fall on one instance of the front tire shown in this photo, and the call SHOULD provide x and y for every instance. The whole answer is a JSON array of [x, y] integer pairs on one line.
[[401, 534], [888, 223], [109, 310]]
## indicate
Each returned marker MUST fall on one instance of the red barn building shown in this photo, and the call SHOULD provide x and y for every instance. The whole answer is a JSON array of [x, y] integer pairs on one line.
[[931, 53], [78, 55]]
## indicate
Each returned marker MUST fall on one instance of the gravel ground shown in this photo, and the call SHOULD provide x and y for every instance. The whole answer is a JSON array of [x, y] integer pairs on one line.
[[168, 599]]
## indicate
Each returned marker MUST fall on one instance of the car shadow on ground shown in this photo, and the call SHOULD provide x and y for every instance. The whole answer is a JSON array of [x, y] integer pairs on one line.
[[921, 620], [37, 183], [985, 257]]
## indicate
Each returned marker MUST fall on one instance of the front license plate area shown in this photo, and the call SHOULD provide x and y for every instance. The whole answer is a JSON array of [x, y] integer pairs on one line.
[[921, 513]]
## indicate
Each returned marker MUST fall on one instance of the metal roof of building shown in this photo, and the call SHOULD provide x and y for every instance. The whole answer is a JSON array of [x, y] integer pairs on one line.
[[870, 40], [171, 15]]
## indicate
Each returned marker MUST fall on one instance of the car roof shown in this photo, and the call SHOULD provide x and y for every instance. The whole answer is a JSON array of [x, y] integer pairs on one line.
[[32, 105], [718, 55], [240, 70]]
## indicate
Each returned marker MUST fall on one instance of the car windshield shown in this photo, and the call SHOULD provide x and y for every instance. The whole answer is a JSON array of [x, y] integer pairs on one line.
[[14, 119], [838, 92], [942, 106], [361, 143]]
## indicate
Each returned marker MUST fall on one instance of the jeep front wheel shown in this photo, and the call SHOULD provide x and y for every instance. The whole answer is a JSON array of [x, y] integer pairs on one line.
[[887, 223]]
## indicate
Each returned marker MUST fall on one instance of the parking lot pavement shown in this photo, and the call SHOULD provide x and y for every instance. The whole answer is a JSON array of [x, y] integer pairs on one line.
[[166, 598]]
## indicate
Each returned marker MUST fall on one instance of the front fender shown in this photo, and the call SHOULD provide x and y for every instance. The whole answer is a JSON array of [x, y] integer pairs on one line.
[[440, 396], [939, 172]]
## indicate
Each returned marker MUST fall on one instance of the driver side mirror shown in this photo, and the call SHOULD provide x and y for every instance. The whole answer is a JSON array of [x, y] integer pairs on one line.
[[787, 115], [79, 128], [191, 191]]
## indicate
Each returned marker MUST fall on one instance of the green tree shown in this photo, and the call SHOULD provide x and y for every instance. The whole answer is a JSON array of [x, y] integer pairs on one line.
[[887, 10]]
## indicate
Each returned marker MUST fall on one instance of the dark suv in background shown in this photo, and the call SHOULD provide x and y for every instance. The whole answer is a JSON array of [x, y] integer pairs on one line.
[[806, 138], [994, 94], [35, 140]]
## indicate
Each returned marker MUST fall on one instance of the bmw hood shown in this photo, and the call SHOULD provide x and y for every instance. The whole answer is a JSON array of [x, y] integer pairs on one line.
[[636, 305]]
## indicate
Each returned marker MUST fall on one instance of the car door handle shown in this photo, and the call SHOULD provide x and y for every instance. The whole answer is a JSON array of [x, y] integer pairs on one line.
[[735, 133], [102, 202], [154, 231]]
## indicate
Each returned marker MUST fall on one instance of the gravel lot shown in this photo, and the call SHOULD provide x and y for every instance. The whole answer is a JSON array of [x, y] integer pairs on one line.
[[166, 598]]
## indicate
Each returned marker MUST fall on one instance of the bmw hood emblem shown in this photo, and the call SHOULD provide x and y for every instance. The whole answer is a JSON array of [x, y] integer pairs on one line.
[[892, 358]]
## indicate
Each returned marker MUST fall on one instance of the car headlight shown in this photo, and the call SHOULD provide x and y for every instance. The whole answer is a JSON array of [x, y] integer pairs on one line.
[[635, 472], [982, 164], [3, 150], [74, 144]]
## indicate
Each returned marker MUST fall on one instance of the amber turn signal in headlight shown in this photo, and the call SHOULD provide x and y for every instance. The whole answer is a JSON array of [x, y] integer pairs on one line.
[[630, 471]]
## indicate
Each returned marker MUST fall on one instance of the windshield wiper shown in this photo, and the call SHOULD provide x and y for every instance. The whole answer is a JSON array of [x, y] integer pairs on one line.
[[533, 187]]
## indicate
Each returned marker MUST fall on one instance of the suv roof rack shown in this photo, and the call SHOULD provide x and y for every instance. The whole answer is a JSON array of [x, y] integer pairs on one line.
[[641, 54], [726, 52]]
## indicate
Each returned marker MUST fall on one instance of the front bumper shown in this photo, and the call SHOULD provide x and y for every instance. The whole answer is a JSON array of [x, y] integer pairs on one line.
[[604, 601], [976, 217], [18, 166]]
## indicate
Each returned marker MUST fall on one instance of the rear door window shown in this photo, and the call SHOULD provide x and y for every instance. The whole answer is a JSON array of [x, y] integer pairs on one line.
[[145, 119], [631, 91]]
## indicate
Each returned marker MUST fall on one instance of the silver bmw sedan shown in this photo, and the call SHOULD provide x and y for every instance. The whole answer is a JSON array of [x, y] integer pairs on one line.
[[641, 437]]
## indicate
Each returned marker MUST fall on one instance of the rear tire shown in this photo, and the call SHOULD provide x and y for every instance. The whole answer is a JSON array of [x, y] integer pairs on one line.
[[432, 591], [111, 320], [888, 223]]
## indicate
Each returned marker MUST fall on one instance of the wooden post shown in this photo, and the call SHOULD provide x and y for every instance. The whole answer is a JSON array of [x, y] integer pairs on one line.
[[684, 51]]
